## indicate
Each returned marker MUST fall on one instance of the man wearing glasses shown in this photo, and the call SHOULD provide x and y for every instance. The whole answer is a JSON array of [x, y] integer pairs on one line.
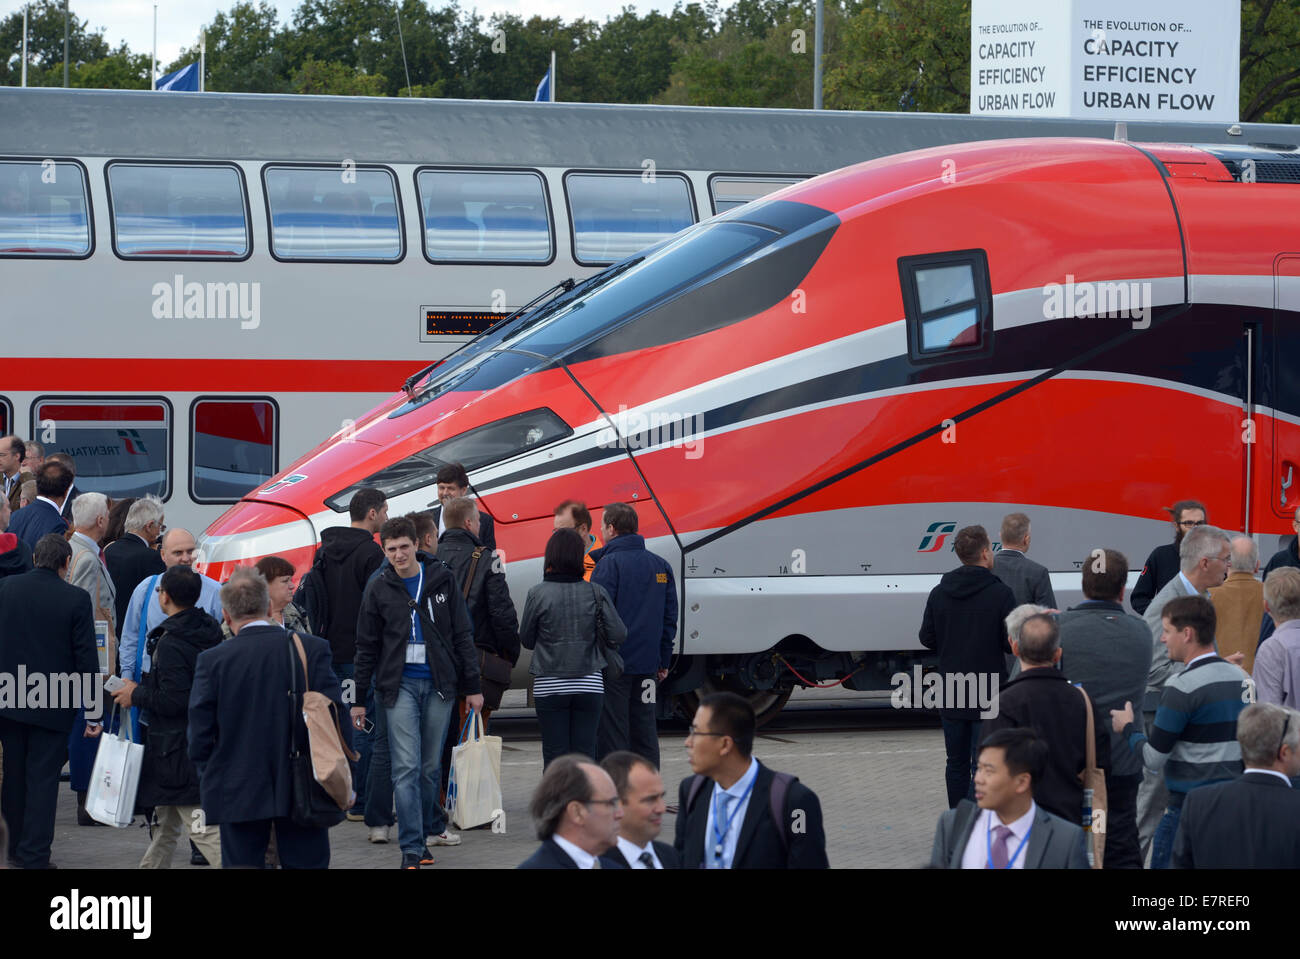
[[1162, 564], [1191, 742], [577, 811], [1252, 822], [735, 813]]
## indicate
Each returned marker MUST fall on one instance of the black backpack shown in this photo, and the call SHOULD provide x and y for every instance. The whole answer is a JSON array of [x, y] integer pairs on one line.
[[312, 598]]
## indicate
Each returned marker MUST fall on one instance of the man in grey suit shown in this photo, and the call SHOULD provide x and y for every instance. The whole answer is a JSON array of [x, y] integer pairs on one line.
[[1107, 650], [1029, 581], [1203, 557], [1007, 830]]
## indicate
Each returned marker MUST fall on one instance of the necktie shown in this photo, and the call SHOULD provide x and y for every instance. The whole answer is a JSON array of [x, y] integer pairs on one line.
[[647, 860], [1000, 836], [720, 828]]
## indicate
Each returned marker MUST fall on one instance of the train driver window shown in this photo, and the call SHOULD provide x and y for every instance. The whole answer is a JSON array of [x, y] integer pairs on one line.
[[122, 445], [617, 214], [233, 446], [178, 211], [43, 209], [485, 217], [329, 213], [948, 303]]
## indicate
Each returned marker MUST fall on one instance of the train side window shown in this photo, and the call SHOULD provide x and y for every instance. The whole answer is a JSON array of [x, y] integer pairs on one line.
[[178, 211], [329, 213], [7, 417], [616, 214], [43, 209], [729, 192], [122, 445], [481, 217], [234, 442], [948, 303]]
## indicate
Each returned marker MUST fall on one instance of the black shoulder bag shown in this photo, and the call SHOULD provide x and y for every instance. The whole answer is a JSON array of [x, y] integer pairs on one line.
[[310, 806]]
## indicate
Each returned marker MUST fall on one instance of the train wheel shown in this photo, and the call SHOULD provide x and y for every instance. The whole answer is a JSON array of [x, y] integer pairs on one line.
[[767, 703]]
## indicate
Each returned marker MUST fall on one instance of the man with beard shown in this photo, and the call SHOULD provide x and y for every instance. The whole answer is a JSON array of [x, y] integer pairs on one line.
[[1162, 564]]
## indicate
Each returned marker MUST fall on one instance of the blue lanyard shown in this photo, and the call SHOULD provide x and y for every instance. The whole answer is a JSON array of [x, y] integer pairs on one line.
[[720, 834], [419, 588], [988, 841]]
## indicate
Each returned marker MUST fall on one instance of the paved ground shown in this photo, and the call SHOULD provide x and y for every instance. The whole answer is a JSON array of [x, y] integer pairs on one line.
[[880, 785]]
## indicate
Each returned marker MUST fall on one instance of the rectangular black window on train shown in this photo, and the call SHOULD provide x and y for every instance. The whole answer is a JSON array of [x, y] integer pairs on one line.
[[615, 214], [333, 212], [947, 302], [178, 211], [44, 209], [485, 216], [121, 444], [234, 446], [728, 191]]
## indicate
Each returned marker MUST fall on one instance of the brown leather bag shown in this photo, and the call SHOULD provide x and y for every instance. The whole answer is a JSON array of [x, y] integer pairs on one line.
[[1094, 779]]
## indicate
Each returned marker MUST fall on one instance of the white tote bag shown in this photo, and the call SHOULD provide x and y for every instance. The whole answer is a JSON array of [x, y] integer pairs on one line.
[[116, 776], [474, 788]]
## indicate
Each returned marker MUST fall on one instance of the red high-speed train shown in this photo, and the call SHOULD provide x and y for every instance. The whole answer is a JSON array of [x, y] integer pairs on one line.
[[803, 396]]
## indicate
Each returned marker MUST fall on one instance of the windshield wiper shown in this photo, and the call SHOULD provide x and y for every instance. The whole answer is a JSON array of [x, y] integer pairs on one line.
[[408, 386]]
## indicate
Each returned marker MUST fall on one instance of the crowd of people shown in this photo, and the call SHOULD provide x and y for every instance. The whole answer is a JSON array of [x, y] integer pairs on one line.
[[1116, 740], [1120, 741]]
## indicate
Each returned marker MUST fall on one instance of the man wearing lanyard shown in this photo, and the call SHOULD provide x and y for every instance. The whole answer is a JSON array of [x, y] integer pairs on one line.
[[415, 640], [1007, 830], [735, 810]]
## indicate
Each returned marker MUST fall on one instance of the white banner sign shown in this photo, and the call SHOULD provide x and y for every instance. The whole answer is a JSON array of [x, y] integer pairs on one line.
[[1106, 59]]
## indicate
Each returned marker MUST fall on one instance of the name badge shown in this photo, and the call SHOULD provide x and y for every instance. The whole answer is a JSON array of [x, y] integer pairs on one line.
[[415, 653]]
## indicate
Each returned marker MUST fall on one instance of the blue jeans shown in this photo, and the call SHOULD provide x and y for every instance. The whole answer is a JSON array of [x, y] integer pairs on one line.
[[375, 767], [417, 726], [961, 738], [360, 741], [1162, 844]]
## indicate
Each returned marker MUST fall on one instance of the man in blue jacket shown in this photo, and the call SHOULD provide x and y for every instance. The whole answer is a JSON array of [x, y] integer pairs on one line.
[[645, 595]]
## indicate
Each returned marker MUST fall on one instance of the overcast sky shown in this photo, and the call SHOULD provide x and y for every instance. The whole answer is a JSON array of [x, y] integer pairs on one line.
[[179, 21]]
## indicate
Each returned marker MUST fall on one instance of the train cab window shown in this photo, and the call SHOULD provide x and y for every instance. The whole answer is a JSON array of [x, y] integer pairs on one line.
[[233, 446], [729, 192], [481, 217], [948, 303], [616, 214], [122, 446], [43, 209], [332, 213], [178, 211]]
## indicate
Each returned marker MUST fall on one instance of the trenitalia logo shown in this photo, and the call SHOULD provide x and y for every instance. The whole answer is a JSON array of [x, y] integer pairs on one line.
[[934, 537], [281, 484]]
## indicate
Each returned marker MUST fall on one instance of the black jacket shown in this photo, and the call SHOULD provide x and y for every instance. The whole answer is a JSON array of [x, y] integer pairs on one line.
[[759, 845], [1247, 823], [614, 859], [965, 623], [35, 520], [549, 855], [1044, 700], [15, 555], [167, 776], [384, 628], [487, 529], [240, 717], [346, 560], [1029, 582], [496, 625], [48, 628], [130, 562], [1160, 568]]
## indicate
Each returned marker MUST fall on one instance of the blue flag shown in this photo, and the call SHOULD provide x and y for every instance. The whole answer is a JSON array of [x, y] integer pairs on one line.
[[544, 89], [186, 79]]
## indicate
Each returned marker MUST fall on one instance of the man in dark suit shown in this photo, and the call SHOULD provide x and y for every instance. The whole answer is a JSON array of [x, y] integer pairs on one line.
[[1007, 829], [73, 491], [1029, 581], [49, 632], [641, 789], [726, 818], [1041, 698], [453, 483], [12, 475], [44, 514], [576, 810], [1252, 822], [240, 727], [133, 558]]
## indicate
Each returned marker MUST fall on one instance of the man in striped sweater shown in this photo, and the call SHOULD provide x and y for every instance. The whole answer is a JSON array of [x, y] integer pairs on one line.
[[1194, 737]]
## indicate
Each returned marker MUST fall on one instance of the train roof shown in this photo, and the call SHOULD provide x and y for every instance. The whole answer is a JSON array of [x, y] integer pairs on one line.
[[127, 124]]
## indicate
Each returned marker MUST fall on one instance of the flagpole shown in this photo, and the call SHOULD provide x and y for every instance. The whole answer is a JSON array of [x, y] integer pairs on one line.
[[25, 7], [552, 76], [203, 55], [153, 72]]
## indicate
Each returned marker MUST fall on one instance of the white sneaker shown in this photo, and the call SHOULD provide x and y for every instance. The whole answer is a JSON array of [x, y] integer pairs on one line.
[[445, 839], [378, 834]]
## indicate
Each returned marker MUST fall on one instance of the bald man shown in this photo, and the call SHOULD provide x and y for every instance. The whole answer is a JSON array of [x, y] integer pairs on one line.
[[177, 550]]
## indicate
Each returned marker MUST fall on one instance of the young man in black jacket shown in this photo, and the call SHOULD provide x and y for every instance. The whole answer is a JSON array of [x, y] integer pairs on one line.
[[965, 623], [415, 641], [168, 780]]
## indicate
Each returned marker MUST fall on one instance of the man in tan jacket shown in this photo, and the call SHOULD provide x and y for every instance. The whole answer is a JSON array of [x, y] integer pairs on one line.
[[1239, 603]]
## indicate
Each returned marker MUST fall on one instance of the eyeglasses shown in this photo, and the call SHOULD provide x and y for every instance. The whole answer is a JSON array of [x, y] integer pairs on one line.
[[611, 803], [700, 732], [1282, 739], [1191, 522]]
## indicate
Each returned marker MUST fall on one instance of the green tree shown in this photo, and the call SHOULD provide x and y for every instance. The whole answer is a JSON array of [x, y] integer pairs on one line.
[[1270, 61], [336, 79], [119, 70], [245, 51], [632, 57], [45, 45]]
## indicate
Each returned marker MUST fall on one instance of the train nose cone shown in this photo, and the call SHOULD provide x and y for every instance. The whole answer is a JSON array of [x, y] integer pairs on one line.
[[249, 531]]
